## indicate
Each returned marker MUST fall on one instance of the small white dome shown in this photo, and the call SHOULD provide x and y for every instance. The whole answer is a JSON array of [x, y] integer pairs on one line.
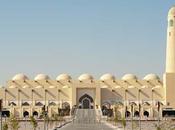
[[64, 77], [171, 11], [107, 77], [19, 77], [41, 77], [1, 86], [129, 77], [84, 77], [151, 77]]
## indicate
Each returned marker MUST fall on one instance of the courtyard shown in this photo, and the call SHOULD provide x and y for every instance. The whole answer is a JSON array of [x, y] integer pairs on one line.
[[103, 125]]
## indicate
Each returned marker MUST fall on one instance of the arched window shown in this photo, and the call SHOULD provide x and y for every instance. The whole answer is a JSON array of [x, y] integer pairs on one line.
[[171, 22]]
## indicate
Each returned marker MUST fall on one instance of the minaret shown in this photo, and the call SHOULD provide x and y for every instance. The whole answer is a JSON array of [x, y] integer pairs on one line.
[[169, 76], [170, 52]]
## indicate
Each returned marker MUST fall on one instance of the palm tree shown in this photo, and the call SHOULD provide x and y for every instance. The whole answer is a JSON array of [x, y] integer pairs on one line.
[[13, 123], [51, 120], [158, 128], [5, 126], [33, 122], [117, 116], [124, 123]]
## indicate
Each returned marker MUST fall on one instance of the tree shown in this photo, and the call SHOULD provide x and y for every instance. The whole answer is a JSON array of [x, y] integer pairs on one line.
[[33, 122], [13, 122], [117, 116], [124, 123], [158, 128], [5, 126]]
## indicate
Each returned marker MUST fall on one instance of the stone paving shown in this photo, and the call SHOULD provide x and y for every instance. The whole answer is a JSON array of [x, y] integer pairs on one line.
[[89, 120], [97, 126], [146, 125]]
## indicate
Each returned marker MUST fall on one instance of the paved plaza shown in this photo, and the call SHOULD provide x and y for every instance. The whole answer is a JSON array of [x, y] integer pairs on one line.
[[146, 125], [72, 126]]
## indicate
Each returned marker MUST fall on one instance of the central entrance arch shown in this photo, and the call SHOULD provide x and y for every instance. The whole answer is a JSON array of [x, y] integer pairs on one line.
[[86, 102]]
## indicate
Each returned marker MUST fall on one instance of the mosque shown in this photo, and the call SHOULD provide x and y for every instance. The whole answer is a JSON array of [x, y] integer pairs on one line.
[[151, 97]]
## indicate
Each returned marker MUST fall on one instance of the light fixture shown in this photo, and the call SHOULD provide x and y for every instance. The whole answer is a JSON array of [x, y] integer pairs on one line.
[[80, 81], [113, 90]]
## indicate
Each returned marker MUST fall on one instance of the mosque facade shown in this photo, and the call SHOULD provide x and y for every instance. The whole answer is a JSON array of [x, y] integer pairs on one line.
[[150, 96]]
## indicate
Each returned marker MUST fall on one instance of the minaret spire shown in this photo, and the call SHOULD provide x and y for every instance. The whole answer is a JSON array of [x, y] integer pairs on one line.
[[170, 52]]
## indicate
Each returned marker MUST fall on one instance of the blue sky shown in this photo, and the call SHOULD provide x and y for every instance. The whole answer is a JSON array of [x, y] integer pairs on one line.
[[82, 36]]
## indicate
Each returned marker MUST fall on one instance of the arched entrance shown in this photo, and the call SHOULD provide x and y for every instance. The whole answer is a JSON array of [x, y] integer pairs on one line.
[[106, 109], [86, 102], [128, 114], [136, 114], [26, 114], [146, 113], [6, 113], [35, 113]]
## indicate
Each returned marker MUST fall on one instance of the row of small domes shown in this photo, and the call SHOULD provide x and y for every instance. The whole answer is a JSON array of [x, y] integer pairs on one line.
[[83, 77]]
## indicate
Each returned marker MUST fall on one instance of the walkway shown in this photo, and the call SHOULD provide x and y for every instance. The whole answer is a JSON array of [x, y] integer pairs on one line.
[[86, 127], [87, 119]]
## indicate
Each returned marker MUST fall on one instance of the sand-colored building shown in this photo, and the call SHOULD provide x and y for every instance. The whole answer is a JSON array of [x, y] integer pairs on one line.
[[23, 96]]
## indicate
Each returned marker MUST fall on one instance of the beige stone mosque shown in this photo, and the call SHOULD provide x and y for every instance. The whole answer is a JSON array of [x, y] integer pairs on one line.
[[150, 95]]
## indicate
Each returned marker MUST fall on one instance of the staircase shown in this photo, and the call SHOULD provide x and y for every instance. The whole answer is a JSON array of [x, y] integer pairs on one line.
[[87, 116]]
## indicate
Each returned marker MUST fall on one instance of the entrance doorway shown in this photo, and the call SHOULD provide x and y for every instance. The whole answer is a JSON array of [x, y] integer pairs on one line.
[[86, 102]]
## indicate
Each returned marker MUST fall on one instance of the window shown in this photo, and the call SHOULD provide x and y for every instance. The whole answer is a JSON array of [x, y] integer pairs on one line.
[[171, 23]]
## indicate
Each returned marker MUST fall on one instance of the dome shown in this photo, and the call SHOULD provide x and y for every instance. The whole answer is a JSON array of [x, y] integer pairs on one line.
[[84, 77], [171, 11], [151, 77], [41, 77], [64, 77], [1, 86], [107, 77], [129, 77], [19, 77]]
